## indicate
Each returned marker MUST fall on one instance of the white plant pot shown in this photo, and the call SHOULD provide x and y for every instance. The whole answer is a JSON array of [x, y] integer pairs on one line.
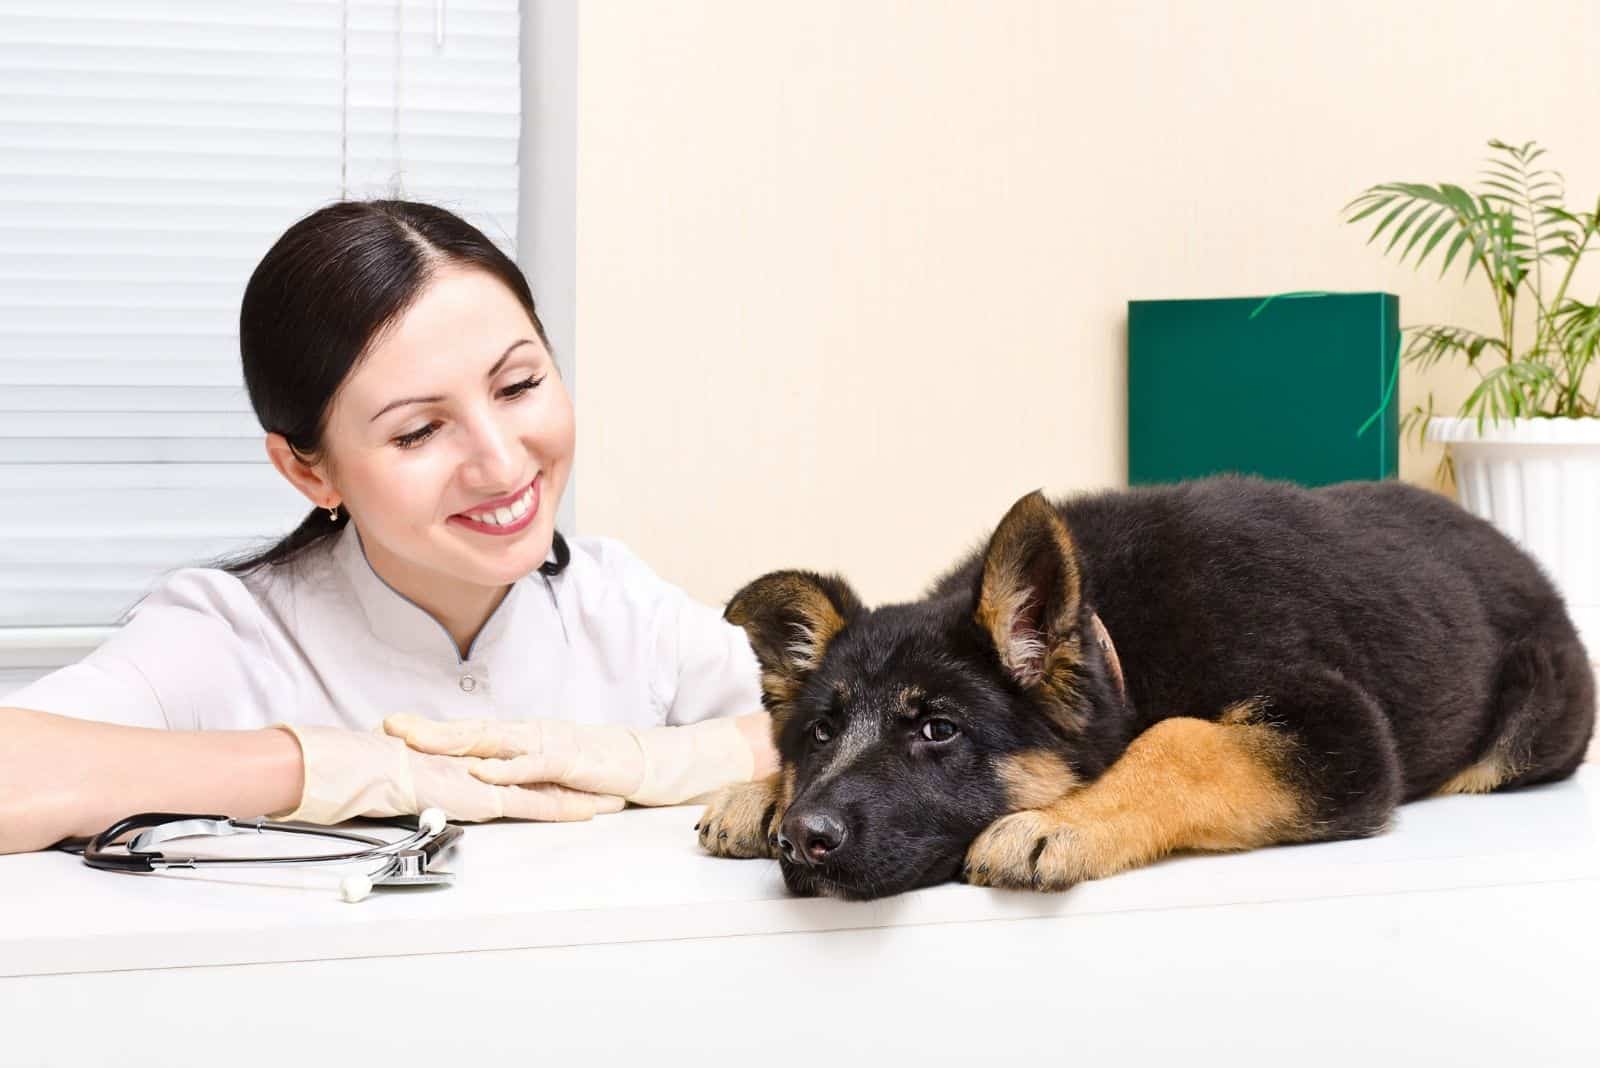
[[1538, 480]]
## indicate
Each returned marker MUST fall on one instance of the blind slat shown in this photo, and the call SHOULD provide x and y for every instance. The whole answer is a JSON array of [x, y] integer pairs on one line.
[[53, 400]]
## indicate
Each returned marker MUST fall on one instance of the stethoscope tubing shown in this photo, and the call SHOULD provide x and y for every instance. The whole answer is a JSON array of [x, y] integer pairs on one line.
[[96, 856]]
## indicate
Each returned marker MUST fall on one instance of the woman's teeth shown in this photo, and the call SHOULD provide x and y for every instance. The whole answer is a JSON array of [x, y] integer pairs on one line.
[[502, 516]]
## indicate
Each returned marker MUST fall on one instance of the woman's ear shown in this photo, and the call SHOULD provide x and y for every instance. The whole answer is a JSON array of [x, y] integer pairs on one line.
[[307, 478]]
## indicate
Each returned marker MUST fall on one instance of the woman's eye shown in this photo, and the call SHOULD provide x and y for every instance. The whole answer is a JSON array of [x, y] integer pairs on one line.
[[407, 441], [939, 730], [821, 732], [416, 437], [522, 387]]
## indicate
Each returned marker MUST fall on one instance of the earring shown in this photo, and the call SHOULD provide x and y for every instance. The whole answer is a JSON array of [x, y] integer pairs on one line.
[[333, 514]]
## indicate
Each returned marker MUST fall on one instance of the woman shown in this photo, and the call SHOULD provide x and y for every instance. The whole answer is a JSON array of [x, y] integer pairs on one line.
[[395, 359]]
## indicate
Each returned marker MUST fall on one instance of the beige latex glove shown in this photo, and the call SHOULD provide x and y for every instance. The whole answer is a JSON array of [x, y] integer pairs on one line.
[[650, 766], [350, 773]]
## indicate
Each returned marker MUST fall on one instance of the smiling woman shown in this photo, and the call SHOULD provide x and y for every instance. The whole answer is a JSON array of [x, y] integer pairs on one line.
[[397, 364]]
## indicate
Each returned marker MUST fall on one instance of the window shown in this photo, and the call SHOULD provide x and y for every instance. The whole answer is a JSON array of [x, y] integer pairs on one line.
[[150, 152]]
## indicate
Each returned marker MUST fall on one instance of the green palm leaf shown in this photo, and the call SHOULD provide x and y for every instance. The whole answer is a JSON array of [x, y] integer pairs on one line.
[[1427, 345], [1511, 228]]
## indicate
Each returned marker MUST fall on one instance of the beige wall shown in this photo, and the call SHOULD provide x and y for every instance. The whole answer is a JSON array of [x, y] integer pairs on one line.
[[852, 275]]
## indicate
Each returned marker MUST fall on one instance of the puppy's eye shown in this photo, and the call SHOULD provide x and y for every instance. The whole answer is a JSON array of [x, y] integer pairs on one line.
[[821, 733], [939, 730]]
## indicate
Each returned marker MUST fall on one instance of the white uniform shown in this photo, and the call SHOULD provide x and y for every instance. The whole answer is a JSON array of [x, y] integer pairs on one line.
[[324, 640]]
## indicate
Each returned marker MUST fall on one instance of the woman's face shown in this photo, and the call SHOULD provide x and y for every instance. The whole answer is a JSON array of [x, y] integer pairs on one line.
[[456, 410]]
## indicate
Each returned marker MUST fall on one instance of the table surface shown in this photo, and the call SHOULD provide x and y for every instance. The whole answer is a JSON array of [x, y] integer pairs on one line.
[[638, 876]]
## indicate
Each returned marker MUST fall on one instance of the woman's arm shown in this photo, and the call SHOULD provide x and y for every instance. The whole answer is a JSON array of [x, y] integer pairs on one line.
[[757, 730], [643, 765], [62, 777]]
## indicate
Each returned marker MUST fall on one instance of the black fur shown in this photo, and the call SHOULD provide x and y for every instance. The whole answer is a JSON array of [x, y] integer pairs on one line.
[[1397, 639]]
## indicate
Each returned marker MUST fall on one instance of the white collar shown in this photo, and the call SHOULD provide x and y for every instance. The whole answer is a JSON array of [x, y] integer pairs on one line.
[[400, 622]]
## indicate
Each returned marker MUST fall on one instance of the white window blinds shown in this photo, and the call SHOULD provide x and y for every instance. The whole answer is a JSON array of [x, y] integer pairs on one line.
[[150, 153]]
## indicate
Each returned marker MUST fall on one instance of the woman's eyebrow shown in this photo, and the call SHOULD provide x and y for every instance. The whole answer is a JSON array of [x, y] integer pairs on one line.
[[504, 356]]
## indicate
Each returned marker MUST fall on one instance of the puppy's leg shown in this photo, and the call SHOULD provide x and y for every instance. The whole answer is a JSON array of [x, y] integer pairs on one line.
[[742, 820], [1316, 761], [1541, 714]]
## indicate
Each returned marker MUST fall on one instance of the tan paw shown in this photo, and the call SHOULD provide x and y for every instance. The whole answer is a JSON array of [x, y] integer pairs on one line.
[[1030, 850], [742, 821]]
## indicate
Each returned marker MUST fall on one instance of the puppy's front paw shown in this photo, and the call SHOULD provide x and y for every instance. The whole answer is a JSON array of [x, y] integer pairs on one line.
[[742, 821], [1030, 850]]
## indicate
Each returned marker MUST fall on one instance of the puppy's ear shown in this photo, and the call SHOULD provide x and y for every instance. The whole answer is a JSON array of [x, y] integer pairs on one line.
[[1029, 599], [791, 617]]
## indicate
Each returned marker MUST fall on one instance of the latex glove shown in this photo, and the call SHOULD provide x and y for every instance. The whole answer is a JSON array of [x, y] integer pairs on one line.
[[349, 774], [650, 766]]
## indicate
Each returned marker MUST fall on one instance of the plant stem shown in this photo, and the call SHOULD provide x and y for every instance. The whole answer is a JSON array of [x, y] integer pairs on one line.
[[1538, 252], [1575, 377], [1500, 305]]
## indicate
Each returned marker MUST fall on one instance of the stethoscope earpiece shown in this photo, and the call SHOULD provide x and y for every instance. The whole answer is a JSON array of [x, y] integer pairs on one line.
[[353, 888]]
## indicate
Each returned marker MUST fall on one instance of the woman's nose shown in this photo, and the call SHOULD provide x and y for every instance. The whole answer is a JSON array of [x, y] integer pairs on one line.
[[496, 458]]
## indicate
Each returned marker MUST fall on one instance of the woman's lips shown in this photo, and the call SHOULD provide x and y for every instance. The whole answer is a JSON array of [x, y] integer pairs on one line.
[[499, 502], [514, 527]]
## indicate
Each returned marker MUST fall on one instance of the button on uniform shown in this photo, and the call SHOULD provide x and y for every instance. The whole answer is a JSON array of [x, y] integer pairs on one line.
[[468, 683]]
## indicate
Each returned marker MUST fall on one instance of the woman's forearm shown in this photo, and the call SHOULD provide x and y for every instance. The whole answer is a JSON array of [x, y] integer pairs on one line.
[[62, 777]]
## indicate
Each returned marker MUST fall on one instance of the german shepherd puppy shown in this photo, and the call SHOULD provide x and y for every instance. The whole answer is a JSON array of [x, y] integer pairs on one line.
[[1215, 665]]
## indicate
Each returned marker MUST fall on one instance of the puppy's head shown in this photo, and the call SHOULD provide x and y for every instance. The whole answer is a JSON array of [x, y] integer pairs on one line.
[[905, 730]]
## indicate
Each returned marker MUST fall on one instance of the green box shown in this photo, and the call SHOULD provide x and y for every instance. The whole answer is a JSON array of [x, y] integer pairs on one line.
[[1274, 386]]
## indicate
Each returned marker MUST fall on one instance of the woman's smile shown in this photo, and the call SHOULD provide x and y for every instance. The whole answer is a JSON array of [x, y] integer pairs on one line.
[[506, 519]]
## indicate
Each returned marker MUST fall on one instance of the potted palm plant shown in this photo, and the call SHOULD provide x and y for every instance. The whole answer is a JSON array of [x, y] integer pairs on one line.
[[1525, 445]]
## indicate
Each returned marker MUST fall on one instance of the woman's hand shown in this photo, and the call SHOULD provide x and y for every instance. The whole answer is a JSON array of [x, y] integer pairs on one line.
[[601, 760], [654, 766], [356, 773]]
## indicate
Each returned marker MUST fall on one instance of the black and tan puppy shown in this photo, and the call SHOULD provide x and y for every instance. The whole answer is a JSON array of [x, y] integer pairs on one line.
[[1293, 665]]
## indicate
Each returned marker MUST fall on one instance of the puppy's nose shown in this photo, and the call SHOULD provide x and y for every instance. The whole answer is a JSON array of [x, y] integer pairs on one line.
[[813, 834]]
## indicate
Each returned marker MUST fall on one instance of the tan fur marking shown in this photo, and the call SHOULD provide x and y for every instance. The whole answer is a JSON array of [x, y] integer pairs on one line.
[[819, 623], [1183, 784], [778, 687], [779, 690], [1246, 711], [1061, 678], [1480, 778], [732, 824], [1035, 778]]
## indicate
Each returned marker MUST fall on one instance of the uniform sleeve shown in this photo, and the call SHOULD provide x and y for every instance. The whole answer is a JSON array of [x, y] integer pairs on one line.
[[703, 665], [194, 656], [103, 686], [714, 671]]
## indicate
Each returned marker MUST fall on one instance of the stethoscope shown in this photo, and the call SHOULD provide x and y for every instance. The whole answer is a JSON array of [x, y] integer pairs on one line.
[[418, 859]]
